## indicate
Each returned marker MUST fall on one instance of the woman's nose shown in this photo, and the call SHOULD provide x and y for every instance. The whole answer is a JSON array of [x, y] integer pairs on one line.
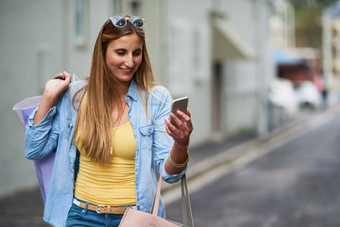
[[129, 61]]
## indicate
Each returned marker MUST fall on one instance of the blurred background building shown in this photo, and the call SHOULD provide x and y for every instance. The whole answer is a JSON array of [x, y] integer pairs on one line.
[[235, 59], [331, 49]]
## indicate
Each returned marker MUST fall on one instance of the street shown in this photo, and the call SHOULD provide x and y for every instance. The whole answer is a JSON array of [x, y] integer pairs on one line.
[[295, 184]]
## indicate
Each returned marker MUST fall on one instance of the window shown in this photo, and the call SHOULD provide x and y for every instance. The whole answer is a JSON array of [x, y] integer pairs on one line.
[[180, 58], [80, 29], [45, 66], [200, 53]]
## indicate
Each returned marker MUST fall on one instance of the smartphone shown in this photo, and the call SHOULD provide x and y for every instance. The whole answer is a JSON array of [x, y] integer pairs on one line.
[[179, 104]]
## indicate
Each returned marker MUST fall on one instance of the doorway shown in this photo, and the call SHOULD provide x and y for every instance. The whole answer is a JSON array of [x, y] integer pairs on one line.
[[217, 100]]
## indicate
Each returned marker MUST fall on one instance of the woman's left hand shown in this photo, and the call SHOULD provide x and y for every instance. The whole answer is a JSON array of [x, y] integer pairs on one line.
[[181, 129]]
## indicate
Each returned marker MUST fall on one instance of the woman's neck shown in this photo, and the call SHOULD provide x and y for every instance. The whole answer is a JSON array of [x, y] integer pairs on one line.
[[119, 112], [122, 89]]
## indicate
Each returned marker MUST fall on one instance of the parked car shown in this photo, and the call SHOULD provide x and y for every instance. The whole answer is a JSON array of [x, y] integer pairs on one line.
[[283, 102], [308, 96]]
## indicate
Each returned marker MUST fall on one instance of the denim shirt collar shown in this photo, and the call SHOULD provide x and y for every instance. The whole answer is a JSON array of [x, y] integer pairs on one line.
[[133, 90]]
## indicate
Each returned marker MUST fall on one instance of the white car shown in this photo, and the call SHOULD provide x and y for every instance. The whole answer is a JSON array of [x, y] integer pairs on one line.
[[308, 95], [283, 101], [282, 94]]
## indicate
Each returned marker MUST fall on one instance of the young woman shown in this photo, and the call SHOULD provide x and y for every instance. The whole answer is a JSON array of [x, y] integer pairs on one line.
[[110, 132]]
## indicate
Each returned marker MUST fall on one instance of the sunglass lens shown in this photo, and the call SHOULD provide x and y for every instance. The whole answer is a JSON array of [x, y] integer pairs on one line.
[[137, 22], [119, 21]]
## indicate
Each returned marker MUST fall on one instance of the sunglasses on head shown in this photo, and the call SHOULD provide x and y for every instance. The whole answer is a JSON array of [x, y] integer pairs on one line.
[[120, 22]]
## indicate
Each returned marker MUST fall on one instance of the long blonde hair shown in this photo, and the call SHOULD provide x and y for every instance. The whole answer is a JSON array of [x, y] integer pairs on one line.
[[93, 129]]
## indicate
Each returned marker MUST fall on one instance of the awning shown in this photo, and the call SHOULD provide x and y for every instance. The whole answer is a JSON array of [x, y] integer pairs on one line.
[[287, 58], [228, 44]]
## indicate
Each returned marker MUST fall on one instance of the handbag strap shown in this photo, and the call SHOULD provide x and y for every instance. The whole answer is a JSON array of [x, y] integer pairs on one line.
[[155, 205], [186, 204]]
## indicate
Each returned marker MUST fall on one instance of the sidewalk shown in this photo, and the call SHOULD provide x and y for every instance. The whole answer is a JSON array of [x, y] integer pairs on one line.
[[21, 209], [207, 163]]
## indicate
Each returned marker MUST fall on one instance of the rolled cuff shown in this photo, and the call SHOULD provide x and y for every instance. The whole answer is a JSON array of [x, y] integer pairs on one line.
[[47, 119], [173, 178]]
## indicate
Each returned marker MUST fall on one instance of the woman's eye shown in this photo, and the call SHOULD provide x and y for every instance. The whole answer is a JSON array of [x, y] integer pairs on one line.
[[137, 53], [120, 51]]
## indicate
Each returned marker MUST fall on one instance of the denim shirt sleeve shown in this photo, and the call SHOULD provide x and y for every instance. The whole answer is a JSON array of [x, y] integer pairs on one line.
[[42, 138], [162, 142]]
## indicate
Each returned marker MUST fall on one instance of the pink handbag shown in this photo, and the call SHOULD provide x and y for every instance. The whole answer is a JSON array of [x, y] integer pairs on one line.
[[139, 218]]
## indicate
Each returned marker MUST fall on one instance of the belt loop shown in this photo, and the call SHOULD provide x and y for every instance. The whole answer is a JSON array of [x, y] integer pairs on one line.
[[86, 208]]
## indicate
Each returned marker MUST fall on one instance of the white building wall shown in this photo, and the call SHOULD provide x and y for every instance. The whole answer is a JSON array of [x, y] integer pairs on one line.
[[187, 60], [153, 13], [79, 53], [37, 42], [241, 14], [241, 96], [246, 78], [184, 21], [241, 85], [30, 49]]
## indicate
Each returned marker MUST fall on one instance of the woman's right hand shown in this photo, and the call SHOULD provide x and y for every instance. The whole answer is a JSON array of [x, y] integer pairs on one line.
[[56, 86], [53, 88]]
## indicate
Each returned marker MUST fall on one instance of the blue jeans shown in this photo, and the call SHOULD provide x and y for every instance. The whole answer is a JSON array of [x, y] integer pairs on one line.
[[83, 217]]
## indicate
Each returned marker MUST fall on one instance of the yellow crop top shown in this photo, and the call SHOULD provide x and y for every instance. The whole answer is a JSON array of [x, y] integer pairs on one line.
[[114, 184]]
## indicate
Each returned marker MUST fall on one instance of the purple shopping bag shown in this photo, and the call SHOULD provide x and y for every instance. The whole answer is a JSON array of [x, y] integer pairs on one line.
[[43, 167]]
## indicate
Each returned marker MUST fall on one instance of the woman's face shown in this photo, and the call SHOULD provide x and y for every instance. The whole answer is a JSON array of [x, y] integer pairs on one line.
[[124, 56]]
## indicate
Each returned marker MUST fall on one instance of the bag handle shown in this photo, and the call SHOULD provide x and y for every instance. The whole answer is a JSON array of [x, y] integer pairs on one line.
[[156, 199], [186, 204]]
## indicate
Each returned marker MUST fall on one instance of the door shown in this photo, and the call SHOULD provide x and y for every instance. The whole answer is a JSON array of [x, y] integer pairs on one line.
[[217, 100]]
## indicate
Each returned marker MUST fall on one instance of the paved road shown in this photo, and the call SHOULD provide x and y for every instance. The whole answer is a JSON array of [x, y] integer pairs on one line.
[[296, 184]]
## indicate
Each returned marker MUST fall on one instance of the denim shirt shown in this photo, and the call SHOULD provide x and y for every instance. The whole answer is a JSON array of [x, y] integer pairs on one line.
[[55, 134]]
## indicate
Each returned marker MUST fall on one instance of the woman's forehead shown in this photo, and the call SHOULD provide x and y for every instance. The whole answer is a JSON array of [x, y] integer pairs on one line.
[[130, 40]]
